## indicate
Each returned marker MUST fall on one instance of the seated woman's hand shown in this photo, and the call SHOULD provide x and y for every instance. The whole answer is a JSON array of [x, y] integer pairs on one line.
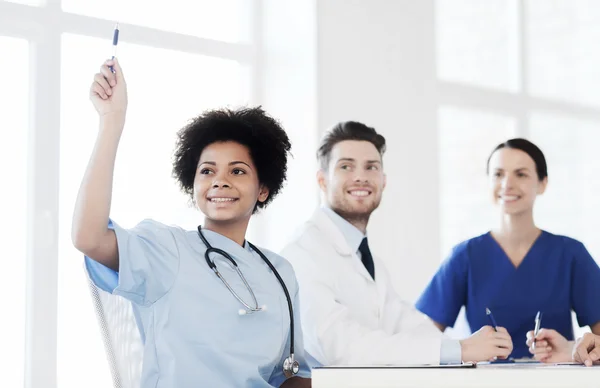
[[549, 346], [587, 350]]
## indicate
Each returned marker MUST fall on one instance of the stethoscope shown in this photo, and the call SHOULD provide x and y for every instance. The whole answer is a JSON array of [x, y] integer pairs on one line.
[[290, 365]]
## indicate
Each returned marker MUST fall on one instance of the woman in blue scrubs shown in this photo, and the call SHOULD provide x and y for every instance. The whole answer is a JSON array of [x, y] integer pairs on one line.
[[516, 269], [206, 321]]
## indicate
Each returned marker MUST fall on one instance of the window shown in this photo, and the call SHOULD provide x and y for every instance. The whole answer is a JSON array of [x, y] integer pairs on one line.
[[161, 100], [466, 139], [531, 66], [180, 58], [27, 2], [477, 43], [570, 204], [563, 62], [14, 110], [224, 20]]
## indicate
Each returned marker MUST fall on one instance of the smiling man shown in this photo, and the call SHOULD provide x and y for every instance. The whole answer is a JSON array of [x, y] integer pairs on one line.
[[349, 309]]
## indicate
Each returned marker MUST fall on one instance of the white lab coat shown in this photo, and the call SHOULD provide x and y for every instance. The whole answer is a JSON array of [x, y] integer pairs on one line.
[[347, 318]]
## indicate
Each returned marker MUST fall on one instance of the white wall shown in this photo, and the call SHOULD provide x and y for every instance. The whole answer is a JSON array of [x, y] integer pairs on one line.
[[376, 65], [371, 61]]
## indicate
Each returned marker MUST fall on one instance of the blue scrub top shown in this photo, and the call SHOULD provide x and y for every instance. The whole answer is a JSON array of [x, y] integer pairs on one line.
[[192, 331], [556, 276]]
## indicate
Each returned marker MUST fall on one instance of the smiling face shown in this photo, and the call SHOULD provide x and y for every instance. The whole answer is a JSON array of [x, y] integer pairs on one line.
[[354, 180], [514, 181], [226, 185]]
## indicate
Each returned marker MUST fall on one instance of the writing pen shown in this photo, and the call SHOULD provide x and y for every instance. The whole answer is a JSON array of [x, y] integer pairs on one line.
[[488, 312], [536, 330], [115, 42]]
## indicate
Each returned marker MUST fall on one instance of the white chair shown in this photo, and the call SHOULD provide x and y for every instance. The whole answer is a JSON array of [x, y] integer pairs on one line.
[[121, 336]]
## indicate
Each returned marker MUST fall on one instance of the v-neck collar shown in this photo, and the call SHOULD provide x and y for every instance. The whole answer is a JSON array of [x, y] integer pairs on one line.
[[219, 241], [529, 253]]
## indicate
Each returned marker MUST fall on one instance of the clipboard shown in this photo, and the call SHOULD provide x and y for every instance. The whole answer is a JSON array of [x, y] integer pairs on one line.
[[402, 366]]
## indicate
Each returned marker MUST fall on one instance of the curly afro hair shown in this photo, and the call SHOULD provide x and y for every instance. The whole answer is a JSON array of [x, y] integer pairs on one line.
[[267, 141]]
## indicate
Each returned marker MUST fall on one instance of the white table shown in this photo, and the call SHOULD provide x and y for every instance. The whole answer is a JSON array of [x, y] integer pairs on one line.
[[516, 375]]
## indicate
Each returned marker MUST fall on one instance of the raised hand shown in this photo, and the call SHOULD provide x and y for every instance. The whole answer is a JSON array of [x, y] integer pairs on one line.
[[108, 92]]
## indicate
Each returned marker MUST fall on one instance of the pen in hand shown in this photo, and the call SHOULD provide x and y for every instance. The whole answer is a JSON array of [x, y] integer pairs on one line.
[[114, 44], [536, 330], [488, 312]]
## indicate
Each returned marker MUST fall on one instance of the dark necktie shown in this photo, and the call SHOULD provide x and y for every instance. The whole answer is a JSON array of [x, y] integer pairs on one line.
[[366, 257]]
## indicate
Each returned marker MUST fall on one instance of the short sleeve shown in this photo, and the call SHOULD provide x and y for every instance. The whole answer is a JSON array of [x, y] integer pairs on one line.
[[277, 378], [446, 293], [585, 287], [148, 263]]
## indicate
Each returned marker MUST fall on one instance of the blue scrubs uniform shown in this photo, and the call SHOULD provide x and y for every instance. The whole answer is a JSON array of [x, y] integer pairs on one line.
[[192, 331], [556, 276]]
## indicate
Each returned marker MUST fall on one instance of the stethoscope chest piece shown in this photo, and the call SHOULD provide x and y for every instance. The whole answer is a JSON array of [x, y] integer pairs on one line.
[[290, 366]]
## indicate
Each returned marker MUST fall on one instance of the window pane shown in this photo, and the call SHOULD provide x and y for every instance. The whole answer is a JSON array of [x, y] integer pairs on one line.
[[477, 42], [570, 205], [27, 2], [14, 110], [467, 137], [226, 20], [563, 60], [161, 101]]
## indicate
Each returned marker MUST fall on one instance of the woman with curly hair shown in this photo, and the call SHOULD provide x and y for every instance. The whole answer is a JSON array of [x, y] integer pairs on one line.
[[216, 311]]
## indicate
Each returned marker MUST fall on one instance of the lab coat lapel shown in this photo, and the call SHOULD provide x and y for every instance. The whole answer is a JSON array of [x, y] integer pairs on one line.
[[333, 234], [381, 283]]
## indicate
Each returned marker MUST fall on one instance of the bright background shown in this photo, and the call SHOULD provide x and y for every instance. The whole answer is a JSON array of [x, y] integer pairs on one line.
[[444, 81]]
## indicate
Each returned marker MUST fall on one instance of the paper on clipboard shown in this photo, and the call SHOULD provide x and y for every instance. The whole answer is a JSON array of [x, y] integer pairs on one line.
[[530, 365], [401, 366]]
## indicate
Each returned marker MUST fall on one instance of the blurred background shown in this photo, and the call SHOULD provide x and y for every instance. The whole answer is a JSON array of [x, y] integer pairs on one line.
[[444, 81]]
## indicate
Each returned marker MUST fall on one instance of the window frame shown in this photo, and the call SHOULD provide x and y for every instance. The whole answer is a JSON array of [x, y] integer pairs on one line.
[[42, 26], [519, 105]]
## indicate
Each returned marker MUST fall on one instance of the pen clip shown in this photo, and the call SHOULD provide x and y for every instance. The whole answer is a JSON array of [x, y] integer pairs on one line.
[[538, 323]]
